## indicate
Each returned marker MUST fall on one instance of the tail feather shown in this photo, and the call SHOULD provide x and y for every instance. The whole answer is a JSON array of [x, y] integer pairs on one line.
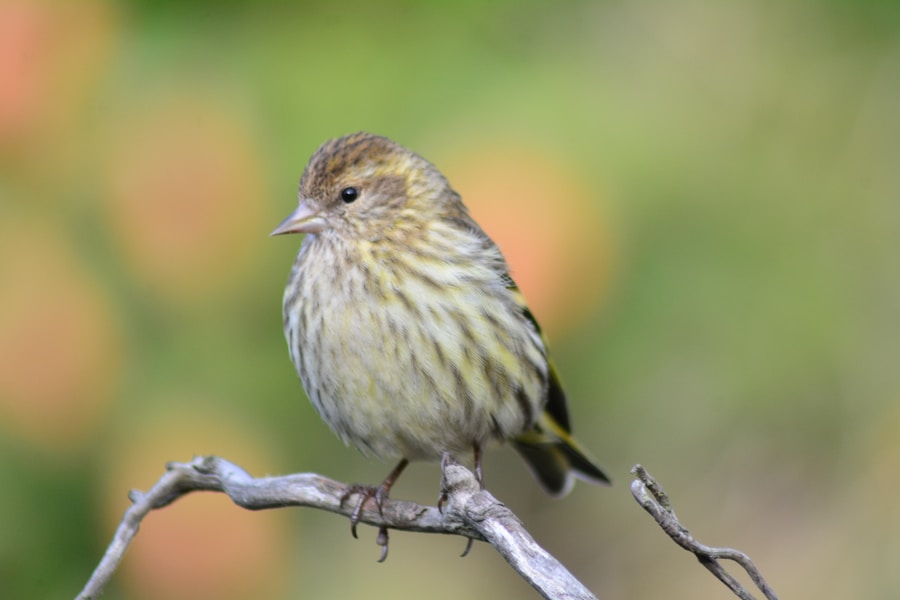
[[548, 448], [548, 465], [554, 457]]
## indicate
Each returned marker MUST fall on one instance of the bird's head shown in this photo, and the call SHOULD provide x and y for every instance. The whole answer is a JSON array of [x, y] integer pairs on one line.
[[361, 184]]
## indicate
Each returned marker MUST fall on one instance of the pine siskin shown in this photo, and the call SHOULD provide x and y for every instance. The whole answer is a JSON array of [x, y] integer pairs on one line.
[[408, 333]]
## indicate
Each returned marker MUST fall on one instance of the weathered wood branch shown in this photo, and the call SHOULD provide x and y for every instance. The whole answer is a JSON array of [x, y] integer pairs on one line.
[[653, 498], [468, 511]]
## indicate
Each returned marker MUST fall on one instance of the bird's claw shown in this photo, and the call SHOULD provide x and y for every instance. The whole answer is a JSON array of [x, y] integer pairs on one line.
[[379, 495], [382, 540], [365, 492]]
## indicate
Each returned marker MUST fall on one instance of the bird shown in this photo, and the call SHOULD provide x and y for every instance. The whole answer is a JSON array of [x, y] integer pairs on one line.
[[410, 337]]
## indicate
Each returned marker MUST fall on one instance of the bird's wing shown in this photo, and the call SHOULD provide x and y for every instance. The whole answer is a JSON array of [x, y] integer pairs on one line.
[[557, 405]]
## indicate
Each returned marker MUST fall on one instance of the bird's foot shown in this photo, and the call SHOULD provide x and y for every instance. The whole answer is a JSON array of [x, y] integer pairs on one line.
[[365, 493], [446, 459], [379, 494]]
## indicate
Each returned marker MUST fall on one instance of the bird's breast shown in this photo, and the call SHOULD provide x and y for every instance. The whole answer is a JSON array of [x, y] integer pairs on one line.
[[408, 356]]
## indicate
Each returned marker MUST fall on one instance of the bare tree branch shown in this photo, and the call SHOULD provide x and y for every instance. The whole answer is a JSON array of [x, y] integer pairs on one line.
[[468, 511], [653, 498]]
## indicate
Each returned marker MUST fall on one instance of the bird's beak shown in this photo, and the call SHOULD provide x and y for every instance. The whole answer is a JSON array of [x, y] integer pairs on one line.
[[302, 220]]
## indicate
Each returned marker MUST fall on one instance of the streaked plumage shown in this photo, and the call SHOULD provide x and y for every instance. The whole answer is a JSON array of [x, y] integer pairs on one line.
[[408, 333]]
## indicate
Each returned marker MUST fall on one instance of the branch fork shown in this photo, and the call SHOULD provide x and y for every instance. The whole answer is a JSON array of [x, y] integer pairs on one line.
[[653, 498]]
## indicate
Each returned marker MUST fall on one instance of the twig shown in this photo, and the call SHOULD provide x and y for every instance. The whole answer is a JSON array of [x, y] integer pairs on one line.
[[468, 511], [653, 498]]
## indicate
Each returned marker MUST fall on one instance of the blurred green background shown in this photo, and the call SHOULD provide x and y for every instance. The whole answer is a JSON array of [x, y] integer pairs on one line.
[[700, 199]]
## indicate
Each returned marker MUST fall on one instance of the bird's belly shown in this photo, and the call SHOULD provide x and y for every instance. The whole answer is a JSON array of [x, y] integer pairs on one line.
[[418, 380]]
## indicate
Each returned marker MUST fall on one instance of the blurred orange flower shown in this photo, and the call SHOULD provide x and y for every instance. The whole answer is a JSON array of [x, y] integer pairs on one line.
[[186, 197], [547, 221], [59, 344]]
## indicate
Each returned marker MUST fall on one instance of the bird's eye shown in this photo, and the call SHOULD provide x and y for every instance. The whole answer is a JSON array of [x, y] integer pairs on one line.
[[349, 194]]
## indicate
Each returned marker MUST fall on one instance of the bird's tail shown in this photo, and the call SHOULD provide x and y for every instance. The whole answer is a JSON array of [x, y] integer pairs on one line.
[[554, 457]]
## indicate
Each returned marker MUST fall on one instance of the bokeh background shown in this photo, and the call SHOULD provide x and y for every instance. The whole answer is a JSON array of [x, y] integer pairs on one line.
[[700, 199]]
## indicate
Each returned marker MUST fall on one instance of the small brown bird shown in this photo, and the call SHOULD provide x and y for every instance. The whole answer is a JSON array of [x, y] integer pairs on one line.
[[408, 333]]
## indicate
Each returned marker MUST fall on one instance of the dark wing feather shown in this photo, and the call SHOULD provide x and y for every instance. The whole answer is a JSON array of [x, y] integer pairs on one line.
[[557, 405]]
